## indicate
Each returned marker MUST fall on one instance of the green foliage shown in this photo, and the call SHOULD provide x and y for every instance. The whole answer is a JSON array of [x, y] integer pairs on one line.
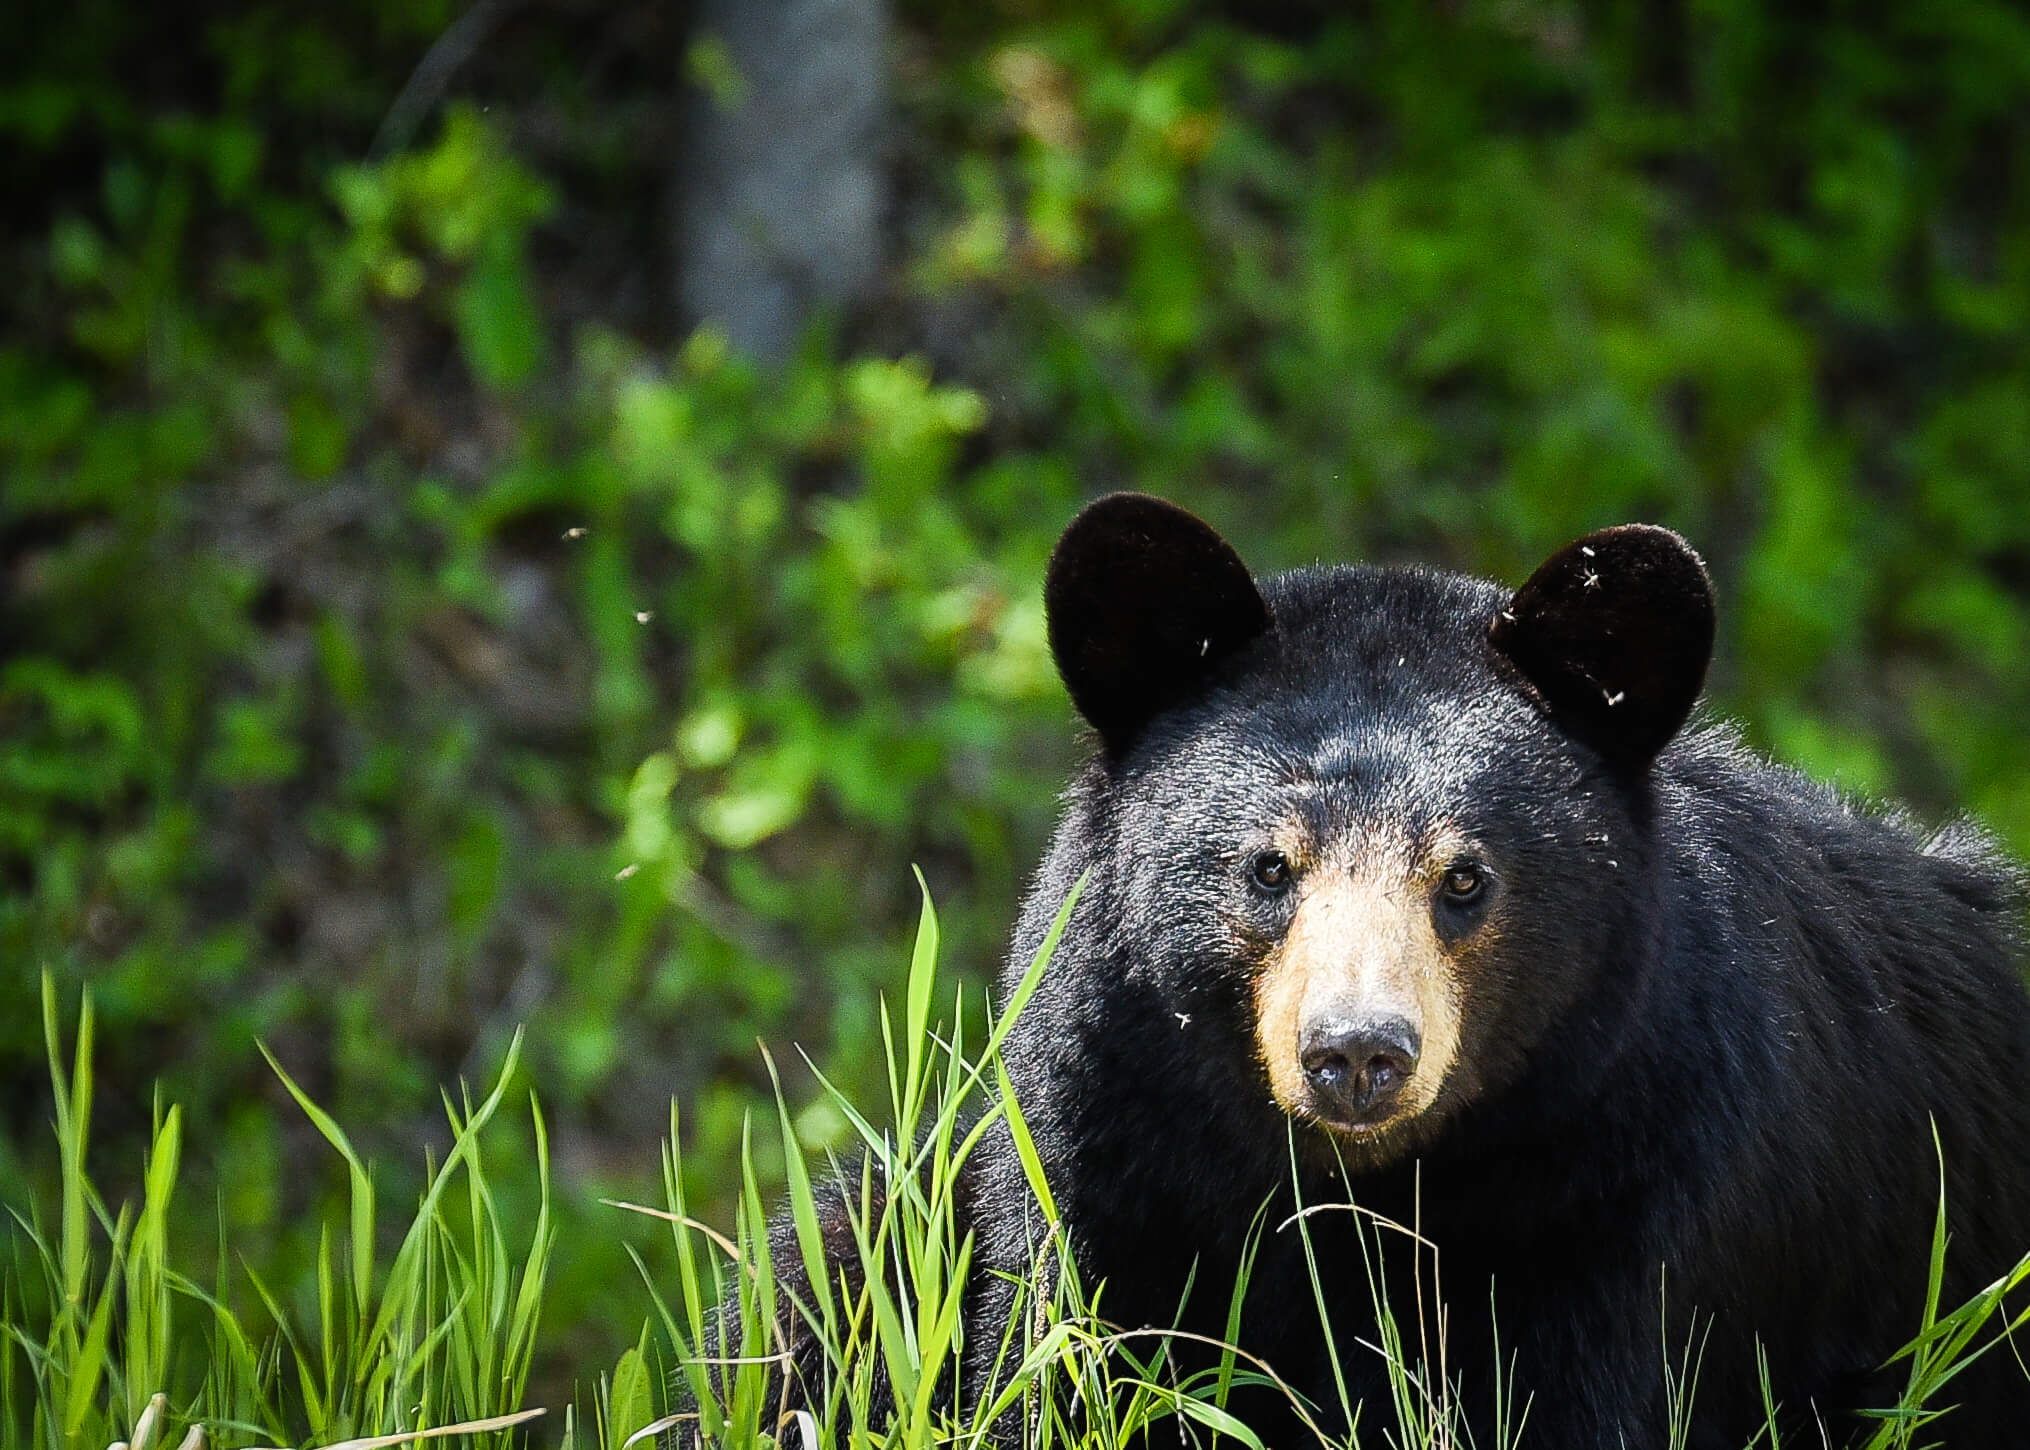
[[104, 1338], [407, 635]]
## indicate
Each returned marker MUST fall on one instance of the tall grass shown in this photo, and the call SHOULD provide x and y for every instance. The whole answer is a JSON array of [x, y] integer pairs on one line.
[[887, 1324], [429, 1334], [103, 1340]]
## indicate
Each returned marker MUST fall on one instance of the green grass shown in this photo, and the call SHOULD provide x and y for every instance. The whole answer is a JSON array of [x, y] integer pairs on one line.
[[428, 1335], [105, 1340]]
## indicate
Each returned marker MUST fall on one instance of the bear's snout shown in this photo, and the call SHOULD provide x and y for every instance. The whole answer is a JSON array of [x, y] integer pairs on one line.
[[1357, 1067], [1357, 1008]]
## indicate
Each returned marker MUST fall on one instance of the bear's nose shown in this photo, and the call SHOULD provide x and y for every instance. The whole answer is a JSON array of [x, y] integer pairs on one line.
[[1358, 1066]]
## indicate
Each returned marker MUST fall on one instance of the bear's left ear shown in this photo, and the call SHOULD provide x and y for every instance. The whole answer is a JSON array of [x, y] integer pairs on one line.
[[1144, 601], [1614, 632]]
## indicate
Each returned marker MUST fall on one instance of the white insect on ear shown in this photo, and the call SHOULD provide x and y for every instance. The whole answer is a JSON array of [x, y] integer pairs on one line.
[[1613, 634]]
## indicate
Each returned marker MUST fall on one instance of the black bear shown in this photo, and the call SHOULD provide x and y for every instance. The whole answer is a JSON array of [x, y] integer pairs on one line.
[[1408, 891]]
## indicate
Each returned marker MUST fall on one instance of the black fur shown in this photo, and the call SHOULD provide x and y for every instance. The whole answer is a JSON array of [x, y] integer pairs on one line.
[[1145, 603], [1696, 1092], [1614, 632]]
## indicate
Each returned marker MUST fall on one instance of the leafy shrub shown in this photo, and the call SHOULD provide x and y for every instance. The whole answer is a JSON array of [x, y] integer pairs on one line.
[[411, 631]]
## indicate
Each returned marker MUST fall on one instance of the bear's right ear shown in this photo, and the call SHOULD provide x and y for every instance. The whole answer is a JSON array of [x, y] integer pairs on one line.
[[1144, 600]]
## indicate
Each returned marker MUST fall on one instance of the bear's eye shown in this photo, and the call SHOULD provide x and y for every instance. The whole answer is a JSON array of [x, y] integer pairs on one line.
[[1463, 882], [1270, 871]]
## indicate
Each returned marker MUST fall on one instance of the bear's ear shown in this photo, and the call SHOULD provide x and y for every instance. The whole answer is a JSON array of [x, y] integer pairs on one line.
[[1614, 632], [1143, 600]]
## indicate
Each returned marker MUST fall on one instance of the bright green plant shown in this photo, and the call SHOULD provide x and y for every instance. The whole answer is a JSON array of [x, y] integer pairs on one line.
[[107, 1339]]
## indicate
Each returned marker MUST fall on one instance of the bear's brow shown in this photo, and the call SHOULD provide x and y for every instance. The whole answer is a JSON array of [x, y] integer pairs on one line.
[[1370, 752]]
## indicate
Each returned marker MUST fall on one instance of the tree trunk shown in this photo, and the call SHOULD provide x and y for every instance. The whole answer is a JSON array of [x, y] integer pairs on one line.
[[781, 188]]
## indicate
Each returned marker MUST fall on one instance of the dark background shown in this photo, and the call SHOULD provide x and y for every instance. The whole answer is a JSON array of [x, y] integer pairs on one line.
[[534, 514]]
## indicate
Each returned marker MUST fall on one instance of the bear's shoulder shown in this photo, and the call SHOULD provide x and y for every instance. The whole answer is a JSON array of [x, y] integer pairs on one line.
[[1721, 800]]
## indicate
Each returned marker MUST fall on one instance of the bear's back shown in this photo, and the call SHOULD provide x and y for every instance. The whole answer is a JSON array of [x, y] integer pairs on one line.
[[1868, 979]]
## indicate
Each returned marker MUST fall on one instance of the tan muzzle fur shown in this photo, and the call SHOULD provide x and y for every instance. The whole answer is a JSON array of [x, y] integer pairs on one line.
[[1362, 945]]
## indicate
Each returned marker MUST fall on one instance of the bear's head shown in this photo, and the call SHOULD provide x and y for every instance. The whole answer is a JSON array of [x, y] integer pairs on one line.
[[1375, 838]]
